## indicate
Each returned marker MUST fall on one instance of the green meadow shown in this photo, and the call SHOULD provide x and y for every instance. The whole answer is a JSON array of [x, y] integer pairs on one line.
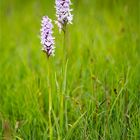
[[90, 89]]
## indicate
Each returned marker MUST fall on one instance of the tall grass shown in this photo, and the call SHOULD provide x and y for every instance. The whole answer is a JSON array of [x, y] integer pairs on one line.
[[92, 94]]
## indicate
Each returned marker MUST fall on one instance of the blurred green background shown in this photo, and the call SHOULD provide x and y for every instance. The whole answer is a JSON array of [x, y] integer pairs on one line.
[[102, 77]]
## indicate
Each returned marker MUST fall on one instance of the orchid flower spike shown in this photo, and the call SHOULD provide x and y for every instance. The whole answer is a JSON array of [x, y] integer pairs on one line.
[[47, 40], [63, 13]]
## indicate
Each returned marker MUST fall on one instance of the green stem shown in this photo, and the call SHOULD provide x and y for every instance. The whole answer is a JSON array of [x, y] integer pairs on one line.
[[65, 43], [50, 103], [63, 88], [61, 112]]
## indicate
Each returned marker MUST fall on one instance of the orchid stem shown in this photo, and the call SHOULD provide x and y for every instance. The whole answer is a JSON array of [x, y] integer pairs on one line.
[[50, 103]]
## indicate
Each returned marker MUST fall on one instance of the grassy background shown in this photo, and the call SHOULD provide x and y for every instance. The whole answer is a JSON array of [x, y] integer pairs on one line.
[[99, 81]]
